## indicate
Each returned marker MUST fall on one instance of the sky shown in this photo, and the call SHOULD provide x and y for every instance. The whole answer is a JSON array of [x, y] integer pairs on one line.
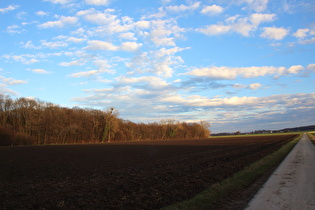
[[240, 65]]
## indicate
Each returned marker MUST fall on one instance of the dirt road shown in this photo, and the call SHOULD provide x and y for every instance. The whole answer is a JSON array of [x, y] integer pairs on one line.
[[292, 185]]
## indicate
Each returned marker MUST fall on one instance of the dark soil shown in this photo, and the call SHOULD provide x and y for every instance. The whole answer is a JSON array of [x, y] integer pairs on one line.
[[131, 175]]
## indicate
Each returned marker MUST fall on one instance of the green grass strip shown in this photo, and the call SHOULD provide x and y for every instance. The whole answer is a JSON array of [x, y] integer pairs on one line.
[[239, 181]]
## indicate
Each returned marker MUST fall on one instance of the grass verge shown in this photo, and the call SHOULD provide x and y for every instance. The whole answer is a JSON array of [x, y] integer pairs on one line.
[[311, 136], [239, 181]]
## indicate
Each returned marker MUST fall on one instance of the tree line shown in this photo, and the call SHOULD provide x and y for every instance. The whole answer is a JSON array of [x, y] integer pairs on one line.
[[25, 121]]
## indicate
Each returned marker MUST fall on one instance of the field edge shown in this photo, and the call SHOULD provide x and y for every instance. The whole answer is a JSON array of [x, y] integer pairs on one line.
[[311, 136], [211, 197]]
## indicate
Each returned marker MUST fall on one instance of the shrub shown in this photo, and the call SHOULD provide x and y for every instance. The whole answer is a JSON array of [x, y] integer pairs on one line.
[[6, 136]]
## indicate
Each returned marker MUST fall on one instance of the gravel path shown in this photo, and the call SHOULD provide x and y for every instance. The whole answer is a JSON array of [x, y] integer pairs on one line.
[[292, 185]]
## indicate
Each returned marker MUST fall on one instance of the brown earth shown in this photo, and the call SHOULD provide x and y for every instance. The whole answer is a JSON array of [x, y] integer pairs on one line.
[[131, 175]]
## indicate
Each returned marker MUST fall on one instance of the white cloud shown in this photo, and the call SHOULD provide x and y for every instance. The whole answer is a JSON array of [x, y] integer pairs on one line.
[[130, 46], [161, 62], [11, 81], [53, 45], [211, 10], [85, 74], [238, 24], [25, 58], [9, 8], [258, 18], [41, 13], [40, 71], [7, 91], [301, 33], [75, 40], [103, 65], [274, 33], [311, 67], [79, 32], [22, 15], [295, 69], [142, 24], [100, 45], [164, 32], [128, 35], [255, 86], [97, 2], [14, 29], [97, 17], [256, 5], [79, 62], [214, 29], [29, 45], [149, 82], [62, 22], [308, 41], [243, 27], [59, 1], [227, 73], [183, 8], [31, 61]]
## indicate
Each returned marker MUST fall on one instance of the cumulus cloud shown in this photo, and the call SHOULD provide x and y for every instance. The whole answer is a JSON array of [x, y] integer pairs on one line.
[[238, 24], [145, 82], [97, 17], [78, 62], [274, 33], [211, 10], [311, 67], [25, 58], [85, 74], [14, 29], [41, 13], [308, 41], [258, 18], [11, 81], [160, 62], [103, 66], [294, 69], [40, 71], [75, 40], [227, 73], [130, 46], [62, 21], [164, 32], [53, 45], [183, 8], [255, 86], [143, 24], [214, 29], [102, 45], [97, 2], [128, 35], [59, 1], [256, 5], [304, 36], [8, 8], [301, 33]]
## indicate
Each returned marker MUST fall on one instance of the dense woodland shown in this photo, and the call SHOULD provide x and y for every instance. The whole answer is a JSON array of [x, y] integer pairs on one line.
[[26, 121]]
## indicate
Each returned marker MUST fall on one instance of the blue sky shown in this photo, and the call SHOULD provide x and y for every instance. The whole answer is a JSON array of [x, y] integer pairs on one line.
[[240, 65]]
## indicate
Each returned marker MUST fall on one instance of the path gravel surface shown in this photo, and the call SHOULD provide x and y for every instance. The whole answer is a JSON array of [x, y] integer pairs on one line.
[[292, 185]]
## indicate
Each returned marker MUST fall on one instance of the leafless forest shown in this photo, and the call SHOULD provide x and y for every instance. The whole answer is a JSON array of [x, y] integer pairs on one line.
[[26, 121]]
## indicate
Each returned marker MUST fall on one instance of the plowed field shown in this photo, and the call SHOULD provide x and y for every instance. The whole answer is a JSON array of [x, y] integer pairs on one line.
[[133, 175]]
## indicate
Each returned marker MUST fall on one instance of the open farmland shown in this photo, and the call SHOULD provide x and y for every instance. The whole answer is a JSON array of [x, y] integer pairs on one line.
[[133, 175]]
